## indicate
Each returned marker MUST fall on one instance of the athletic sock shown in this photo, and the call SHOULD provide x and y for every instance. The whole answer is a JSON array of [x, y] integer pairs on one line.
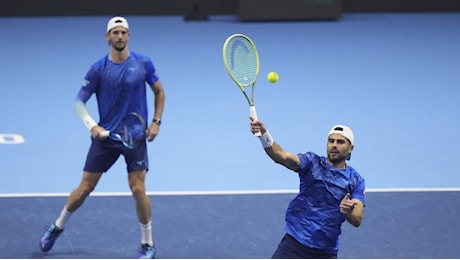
[[63, 218], [146, 231]]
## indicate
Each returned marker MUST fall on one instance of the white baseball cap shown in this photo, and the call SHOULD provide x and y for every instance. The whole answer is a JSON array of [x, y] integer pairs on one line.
[[117, 21], [345, 131]]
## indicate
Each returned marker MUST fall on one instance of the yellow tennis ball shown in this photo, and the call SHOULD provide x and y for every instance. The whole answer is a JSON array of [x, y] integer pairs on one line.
[[272, 77]]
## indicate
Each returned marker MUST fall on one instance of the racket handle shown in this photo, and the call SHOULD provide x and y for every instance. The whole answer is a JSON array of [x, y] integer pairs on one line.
[[253, 113], [106, 133]]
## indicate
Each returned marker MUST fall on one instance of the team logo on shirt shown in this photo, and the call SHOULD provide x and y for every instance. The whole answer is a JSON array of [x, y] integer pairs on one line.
[[85, 83]]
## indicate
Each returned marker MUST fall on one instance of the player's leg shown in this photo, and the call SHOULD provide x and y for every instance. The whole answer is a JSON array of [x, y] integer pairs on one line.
[[78, 195], [101, 156], [137, 165], [74, 201], [136, 181]]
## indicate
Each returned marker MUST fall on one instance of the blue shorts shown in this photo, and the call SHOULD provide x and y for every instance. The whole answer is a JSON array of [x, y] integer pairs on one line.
[[290, 248], [103, 154]]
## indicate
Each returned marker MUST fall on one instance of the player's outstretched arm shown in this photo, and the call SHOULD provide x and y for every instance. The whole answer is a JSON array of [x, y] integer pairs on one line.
[[273, 149], [287, 159]]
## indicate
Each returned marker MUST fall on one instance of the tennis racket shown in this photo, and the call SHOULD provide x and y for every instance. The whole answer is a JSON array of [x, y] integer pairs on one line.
[[131, 128], [242, 63]]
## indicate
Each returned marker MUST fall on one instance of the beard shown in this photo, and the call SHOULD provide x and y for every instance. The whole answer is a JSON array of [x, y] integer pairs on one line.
[[336, 158], [118, 46]]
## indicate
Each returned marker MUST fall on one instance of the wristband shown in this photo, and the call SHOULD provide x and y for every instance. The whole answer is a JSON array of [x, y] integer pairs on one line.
[[266, 140], [89, 122]]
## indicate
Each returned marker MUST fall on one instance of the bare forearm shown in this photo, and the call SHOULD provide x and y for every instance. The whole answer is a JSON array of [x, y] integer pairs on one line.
[[159, 101], [354, 219], [159, 105], [355, 216], [278, 155], [273, 149]]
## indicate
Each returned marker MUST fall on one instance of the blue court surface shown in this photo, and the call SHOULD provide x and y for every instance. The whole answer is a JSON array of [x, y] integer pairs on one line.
[[393, 78]]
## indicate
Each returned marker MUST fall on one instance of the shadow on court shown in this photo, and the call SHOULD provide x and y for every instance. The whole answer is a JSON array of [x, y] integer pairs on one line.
[[396, 225]]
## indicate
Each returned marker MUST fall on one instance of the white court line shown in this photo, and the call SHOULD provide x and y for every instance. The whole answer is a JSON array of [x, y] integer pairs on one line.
[[225, 192]]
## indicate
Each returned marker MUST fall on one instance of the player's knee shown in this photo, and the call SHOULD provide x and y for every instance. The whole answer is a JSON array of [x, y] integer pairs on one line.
[[138, 190], [84, 193], [85, 189]]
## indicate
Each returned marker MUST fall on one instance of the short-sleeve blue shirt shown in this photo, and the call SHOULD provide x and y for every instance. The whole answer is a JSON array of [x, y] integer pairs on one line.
[[120, 88], [313, 217]]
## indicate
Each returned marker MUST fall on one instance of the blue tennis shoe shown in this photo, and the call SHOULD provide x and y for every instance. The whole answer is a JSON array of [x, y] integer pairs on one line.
[[47, 241], [146, 251]]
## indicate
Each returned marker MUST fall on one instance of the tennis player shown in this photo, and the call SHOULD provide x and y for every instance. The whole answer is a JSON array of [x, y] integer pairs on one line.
[[330, 192], [119, 82]]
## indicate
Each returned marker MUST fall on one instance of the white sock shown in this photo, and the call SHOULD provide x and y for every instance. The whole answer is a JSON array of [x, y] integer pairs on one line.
[[146, 231], [63, 218]]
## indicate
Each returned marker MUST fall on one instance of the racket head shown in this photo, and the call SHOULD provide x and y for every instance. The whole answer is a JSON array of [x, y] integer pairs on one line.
[[241, 59], [131, 128]]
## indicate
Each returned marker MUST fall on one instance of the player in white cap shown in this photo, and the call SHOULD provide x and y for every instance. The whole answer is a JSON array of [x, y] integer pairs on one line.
[[119, 81], [331, 191]]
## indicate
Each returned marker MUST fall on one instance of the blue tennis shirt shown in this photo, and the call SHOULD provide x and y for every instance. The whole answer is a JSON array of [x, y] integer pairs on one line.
[[120, 88], [313, 217]]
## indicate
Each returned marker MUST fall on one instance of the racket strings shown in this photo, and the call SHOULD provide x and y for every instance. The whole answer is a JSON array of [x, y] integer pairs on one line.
[[127, 135], [132, 129], [242, 59]]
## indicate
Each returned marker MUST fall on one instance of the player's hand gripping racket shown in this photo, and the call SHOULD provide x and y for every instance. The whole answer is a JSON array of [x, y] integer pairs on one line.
[[131, 128], [242, 63]]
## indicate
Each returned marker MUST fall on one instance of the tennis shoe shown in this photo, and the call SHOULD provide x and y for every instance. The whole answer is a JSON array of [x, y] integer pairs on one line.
[[146, 251], [47, 241]]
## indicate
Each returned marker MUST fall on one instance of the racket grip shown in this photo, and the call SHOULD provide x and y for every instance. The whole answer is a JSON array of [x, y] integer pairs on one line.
[[106, 133], [253, 113]]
